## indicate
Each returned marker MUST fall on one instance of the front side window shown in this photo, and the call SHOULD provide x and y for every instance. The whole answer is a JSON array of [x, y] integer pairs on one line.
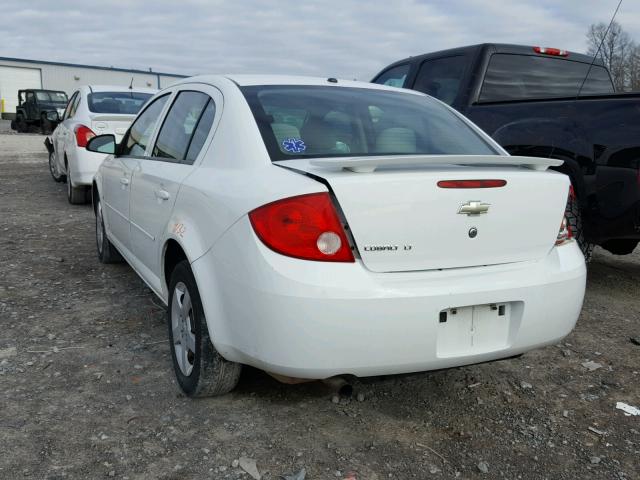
[[394, 77], [137, 138], [180, 124], [441, 78], [128, 103], [521, 77], [319, 121]]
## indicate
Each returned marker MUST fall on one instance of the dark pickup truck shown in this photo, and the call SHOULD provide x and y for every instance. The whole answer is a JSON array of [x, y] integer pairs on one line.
[[539, 102]]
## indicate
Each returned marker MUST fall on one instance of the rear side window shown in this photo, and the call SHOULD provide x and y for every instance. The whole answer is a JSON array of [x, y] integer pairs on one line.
[[319, 121], [67, 112], [201, 133], [128, 103], [394, 77], [441, 78], [520, 77], [179, 126], [137, 138]]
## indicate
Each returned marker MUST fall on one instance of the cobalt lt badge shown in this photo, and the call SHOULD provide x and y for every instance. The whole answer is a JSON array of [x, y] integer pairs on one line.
[[473, 232]]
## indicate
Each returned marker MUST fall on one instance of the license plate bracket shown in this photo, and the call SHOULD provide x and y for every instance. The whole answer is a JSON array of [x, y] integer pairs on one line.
[[474, 329]]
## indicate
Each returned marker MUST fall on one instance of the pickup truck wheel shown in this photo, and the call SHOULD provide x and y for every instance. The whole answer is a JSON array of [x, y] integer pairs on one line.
[[200, 369], [107, 253], [622, 246], [75, 195], [53, 168], [574, 217]]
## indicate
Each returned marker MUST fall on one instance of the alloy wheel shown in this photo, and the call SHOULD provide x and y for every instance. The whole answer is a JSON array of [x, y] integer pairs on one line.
[[182, 329]]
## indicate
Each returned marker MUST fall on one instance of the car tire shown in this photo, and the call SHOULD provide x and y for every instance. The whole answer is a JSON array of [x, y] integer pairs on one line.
[[53, 168], [45, 125], [75, 195], [200, 370], [574, 217], [107, 253], [21, 124], [622, 246]]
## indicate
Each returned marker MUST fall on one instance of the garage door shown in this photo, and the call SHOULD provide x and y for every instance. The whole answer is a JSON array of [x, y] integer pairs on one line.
[[13, 79]]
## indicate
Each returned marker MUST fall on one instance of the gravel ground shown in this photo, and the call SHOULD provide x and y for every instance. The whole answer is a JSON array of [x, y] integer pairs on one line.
[[87, 388]]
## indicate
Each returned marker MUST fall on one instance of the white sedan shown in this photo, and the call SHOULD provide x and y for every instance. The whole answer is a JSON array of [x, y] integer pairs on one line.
[[320, 227], [92, 110]]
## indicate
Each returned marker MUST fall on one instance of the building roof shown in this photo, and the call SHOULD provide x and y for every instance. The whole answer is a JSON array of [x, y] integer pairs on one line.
[[113, 69]]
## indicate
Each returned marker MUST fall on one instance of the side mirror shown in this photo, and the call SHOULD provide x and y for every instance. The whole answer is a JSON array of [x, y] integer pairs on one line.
[[53, 116], [102, 144]]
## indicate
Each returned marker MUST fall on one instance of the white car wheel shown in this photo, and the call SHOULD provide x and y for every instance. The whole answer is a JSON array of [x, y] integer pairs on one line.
[[200, 370]]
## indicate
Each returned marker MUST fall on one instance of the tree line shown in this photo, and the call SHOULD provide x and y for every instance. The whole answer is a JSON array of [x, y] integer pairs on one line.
[[620, 54]]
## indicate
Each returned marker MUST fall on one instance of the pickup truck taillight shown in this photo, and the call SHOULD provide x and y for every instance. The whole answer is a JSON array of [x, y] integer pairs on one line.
[[305, 226], [556, 52], [564, 235], [83, 135]]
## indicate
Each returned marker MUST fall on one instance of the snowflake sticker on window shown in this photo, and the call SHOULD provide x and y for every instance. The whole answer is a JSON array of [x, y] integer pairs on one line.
[[294, 145]]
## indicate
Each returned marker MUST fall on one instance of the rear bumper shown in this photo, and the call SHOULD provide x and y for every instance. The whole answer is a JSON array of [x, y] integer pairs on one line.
[[84, 165], [314, 320]]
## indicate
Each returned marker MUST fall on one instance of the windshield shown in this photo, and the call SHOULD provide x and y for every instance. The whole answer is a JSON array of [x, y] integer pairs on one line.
[[318, 121], [56, 97], [128, 103]]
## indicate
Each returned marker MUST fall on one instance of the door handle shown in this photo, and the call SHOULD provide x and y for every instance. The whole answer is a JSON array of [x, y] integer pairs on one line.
[[162, 194], [124, 181]]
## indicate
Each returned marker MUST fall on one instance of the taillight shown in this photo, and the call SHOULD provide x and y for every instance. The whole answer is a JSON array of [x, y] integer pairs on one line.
[[306, 226], [83, 135], [556, 52], [471, 183], [564, 235]]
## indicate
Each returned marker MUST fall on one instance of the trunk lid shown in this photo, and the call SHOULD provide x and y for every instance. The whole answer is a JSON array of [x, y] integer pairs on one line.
[[116, 124], [401, 220]]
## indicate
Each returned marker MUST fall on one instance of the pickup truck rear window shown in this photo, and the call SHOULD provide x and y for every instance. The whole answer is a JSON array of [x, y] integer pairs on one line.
[[521, 77], [318, 121]]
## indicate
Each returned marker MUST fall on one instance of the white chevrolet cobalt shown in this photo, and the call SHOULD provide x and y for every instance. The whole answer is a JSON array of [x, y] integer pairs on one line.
[[91, 111], [319, 227]]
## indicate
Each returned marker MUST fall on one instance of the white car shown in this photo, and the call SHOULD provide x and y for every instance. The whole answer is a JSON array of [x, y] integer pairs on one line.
[[92, 110], [320, 227]]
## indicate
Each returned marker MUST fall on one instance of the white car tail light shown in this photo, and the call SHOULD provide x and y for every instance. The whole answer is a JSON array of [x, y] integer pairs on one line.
[[83, 135], [305, 226]]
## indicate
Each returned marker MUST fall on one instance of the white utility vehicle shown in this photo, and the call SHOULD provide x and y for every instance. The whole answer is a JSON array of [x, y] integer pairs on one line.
[[92, 110], [319, 227]]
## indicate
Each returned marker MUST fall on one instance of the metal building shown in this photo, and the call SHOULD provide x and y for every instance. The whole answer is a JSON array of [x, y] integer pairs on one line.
[[18, 74]]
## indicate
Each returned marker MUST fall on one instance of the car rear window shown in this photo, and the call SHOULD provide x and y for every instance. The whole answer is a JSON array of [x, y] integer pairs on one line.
[[128, 103], [520, 77], [318, 121]]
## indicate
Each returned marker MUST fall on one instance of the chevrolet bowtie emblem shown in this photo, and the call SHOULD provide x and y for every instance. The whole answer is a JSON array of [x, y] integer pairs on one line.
[[474, 207]]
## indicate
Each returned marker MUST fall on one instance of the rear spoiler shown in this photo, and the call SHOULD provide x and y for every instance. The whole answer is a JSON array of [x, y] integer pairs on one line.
[[370, 164]]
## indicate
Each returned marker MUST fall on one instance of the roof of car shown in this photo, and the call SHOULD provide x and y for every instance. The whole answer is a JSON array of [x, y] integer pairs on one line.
[[120, 88], [245, 80]]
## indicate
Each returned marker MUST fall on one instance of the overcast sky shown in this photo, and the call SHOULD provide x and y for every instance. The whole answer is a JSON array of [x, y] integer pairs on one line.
[[341, 38]]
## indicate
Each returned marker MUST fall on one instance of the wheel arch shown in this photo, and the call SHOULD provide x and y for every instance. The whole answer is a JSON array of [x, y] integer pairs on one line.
[[173, 252]]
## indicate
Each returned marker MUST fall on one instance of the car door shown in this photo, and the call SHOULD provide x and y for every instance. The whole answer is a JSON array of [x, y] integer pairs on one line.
[[117, 172], [157, 178], [31, 107], [61, 133]]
